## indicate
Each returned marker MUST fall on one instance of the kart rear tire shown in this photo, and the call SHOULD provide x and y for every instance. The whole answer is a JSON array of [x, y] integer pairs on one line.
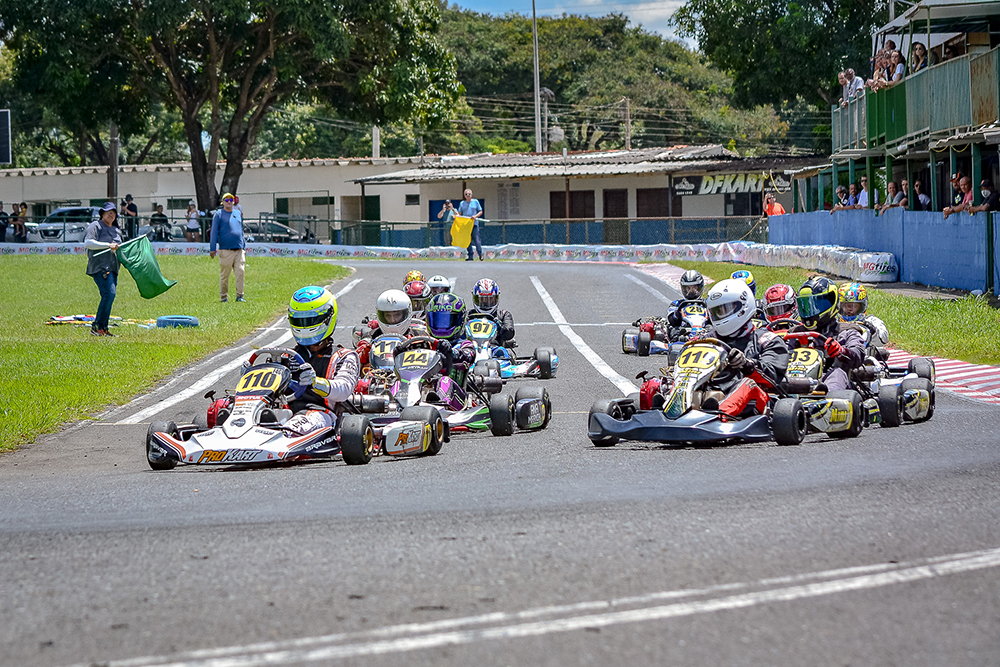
[[540, 393], [857, 413], [634, 398], [920, 383], [155, 462], [502, 414], [430, 415], [890, 404], [642, 344], [543, 355], [625, 332], [487, 368], [357, 439], [610, 408], [789, 422], [923, 367]]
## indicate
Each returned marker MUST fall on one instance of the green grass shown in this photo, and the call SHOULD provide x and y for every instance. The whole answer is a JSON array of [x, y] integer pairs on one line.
[[55, 374], [964, 328]]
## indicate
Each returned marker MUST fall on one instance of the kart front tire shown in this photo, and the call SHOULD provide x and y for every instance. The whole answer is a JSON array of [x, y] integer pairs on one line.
[[543, 355], [610, 408], [890, 405], [926, 385], [158, 461], [789, 422], [430, 415], [357, 440], [502, 414], [540, 393], [922, 367], [857, 414], [643, 343]]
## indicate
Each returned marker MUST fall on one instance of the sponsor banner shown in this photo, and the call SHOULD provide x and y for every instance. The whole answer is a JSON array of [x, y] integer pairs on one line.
[[849, 263], [724, 184]]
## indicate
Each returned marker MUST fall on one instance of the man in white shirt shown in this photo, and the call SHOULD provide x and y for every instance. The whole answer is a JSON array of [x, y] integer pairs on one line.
[[863, 195]]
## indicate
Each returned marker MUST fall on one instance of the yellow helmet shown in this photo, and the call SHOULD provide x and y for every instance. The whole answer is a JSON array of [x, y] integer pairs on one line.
[[817, 302], [411, 276], [312, 314]]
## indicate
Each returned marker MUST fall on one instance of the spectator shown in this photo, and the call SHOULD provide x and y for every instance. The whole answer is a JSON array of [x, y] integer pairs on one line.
[[4, 220], [131, 212], [103, 234], [923, 201], [855, 84], [771, 205], [957, 194], [471, 208], [890, 45], [237, 205], [949, 53], [905, 191], [160, 224], [227, 232], [863, 195], [896, 197], [919, 57], [965, 185], [991, 200], [842, 80], [852, 195], [447, 216], [192, 230], [898, 67], [879, 78], [841, 200], [19, 221]]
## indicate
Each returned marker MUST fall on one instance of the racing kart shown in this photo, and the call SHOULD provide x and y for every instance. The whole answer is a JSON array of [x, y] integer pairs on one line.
[[420, 377], [681, 417], [650, 335], [500, 361]]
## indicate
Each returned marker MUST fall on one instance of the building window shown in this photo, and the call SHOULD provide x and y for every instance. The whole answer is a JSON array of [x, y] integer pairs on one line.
[[413, 200], [616, 203], [581, 204], [652, 202], [177, 204], [322, 201]]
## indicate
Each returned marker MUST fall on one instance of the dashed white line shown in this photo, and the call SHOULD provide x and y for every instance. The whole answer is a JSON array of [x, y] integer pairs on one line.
[[650, 289], [623, 384]]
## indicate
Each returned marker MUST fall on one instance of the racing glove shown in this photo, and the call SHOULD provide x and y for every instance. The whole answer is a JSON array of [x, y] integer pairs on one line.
[[444, 347], [736, 359], [363, 347], [306, 376], [833, 348]]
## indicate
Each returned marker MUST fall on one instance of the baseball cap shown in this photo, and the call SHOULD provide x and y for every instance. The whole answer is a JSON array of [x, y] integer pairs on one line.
[[109, 206], [192, 203], [228, 195], [957, 176]]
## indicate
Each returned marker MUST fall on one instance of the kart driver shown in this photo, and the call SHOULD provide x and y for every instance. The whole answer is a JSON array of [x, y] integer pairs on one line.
[[438, 284], [446, 315], [419, 294], [393, 317], [845, 350], [747, 276], [692, 288], [779, 304], [486, 303], [411, 276], [330, 371], [853, 309], [731, 310]]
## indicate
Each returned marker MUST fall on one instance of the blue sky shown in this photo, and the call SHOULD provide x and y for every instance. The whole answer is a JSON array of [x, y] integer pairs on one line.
[[651, 14]]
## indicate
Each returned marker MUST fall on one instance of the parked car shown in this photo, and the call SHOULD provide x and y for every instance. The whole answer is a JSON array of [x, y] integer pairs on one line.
[[160, 233], [64, 225], [270, 232]]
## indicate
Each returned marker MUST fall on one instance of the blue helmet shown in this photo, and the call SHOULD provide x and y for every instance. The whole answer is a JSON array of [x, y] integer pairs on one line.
[[746, 277], [446, 315]]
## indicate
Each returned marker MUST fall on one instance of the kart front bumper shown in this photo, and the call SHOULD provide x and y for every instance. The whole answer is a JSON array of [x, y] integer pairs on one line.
[[694, 426]]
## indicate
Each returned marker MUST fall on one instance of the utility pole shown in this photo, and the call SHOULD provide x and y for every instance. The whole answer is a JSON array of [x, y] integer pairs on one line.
[[376, 142], [538, 105], [113, 164], [628, 125], [547, 96]]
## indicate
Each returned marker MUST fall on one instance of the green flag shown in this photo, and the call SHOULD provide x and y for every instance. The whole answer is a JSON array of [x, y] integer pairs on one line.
[[137, 256]]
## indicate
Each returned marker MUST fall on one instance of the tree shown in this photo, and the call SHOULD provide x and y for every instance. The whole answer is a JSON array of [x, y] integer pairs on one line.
[[778, 50]]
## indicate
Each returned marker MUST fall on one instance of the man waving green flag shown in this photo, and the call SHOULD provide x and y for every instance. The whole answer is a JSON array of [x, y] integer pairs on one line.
[[137, 256]]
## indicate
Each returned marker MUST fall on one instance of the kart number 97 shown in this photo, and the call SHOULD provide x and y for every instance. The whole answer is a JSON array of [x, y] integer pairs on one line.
[[262, 380], [480, 327], [698, 357], [412, 358]]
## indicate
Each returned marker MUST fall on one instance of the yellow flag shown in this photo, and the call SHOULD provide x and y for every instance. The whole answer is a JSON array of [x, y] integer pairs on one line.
[[461, 231]]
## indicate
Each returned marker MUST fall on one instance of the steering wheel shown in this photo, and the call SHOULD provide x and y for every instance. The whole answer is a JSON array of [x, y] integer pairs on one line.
[[417, 342], [710, 341], [283, 356], [772, 326], [806, 338]]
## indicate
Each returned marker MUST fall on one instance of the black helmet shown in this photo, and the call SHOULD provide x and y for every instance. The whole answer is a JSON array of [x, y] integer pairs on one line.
[[817, 303], [692, 285]]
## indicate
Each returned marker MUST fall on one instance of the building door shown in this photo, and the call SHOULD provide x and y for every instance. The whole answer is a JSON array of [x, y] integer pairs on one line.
[[615, 206]]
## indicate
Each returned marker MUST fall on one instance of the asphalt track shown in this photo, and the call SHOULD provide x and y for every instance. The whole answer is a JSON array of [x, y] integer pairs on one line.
[[537, 549]]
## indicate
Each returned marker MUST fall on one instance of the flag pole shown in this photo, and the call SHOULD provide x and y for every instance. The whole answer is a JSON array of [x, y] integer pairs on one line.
[[121, 245]]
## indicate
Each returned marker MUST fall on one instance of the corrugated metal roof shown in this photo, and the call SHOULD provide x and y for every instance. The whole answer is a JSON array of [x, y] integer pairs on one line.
[[427, 175]]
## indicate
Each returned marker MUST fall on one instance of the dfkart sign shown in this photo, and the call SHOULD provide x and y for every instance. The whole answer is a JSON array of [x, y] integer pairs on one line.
[[725, 184]]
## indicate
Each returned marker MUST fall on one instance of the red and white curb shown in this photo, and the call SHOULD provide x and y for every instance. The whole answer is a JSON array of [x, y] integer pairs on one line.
[[976, 381], [668, 273]]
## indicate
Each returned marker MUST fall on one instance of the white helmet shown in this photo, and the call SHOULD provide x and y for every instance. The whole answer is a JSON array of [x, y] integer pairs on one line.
[[731, 306], [438, 284], [392, 309]]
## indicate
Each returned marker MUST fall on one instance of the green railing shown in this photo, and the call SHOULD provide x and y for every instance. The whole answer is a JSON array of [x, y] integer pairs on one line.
[[950, 85], [850, 125], [886, 115], [984, 72]]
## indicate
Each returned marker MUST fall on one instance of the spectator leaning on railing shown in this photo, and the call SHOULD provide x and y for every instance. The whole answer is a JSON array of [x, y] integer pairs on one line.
[[863, 195], [965, 184], [923, 202], [898, 67], [919, 57], [991, 199], [852, 85], [896, 198]]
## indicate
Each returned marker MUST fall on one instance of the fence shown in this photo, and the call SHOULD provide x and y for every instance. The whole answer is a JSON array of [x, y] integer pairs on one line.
[[850, 125], [957, 252]]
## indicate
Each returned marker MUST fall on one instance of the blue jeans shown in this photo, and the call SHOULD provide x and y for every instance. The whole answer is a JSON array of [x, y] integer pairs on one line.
[[107, 284], [476, 242]]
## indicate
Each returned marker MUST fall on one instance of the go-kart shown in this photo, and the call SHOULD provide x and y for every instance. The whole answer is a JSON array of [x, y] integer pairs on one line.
[[497, 360], [247, 426], [650, 335], [421, 377], [680, 417]]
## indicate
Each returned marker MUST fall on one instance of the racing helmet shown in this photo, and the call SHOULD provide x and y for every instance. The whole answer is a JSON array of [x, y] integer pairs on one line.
[[419, 293], [446, 315], [779, 303], [747, 277], [312, 314], [853, 301], [731, 306], [438, 284], [411, 276], [817, 302], [392, 310], [692, 285], [486, 296]]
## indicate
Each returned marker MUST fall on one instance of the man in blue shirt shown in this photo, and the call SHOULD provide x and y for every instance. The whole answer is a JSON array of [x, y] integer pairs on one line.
[[470, 208], [227, 232]]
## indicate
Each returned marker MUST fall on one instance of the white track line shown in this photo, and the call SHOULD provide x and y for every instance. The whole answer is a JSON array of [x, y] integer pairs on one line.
[[419, 636], [650, 289], [208, 380], [623, 384]]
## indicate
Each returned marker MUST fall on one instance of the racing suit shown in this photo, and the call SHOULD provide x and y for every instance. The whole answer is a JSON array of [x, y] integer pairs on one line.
[[336, 370], [880, 332], [676, 331], [752, 350], [504, 320], [850, 355], [364, 344]]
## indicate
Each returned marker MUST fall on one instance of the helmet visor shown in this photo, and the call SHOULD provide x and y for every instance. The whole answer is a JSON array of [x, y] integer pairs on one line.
[[777, 311], [443, 322], [691, 292], [307, 320], [486, 301], [812, 305], [724, 310], [439, 290], [392, 316], [850, 308]]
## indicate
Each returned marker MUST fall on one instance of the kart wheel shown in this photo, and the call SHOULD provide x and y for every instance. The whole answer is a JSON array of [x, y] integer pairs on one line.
[[502, 414], [890, 404], [634, 397], [642, 345], [543, 355], [923, 367], [357, 440], [156, 460], [625, 332], [920, 383], [430, 415], [487, 368], [857, 414], [607, 407], [536, 393], [789, 422]]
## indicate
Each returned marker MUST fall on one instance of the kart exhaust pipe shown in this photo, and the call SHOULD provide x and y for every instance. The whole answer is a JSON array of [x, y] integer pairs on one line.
[[488, 385]]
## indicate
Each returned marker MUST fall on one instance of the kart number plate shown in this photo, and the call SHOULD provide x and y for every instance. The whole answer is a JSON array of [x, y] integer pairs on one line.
[[693, 310], [384, 348], [481, 328], [415, 358], [698, 356], [259, 380], [804, 356]]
